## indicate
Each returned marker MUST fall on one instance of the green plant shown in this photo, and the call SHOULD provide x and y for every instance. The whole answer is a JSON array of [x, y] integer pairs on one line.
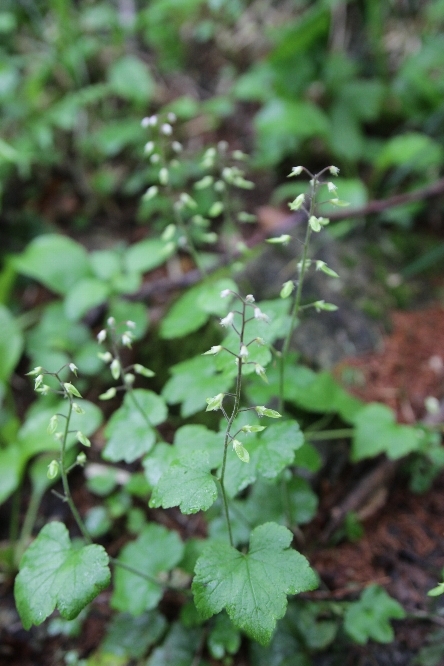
[[244, 570]]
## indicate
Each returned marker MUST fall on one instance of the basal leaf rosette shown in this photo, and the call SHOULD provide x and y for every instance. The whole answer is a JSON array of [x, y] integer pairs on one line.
[[252, 587], [53, 574]]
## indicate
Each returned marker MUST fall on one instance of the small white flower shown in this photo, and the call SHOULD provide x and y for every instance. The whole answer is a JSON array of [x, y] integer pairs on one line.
[[151, 193], [154, 159], [243, 351], [101, 336], [225, 292], [127, 339], [172, 117], [333, 170], [249, 298], [163, 176], [130, 324], [297, 203], [228, 320], [149, 147], [177, 146], [296, 171], [166, 129], [73, 368], [261, 316], [213, 351], [111, 321], [145, 122], [152, 121], [331, 187]]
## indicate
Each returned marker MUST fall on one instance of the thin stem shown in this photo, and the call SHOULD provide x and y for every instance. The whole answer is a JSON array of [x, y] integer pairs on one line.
[[28, 523], [145, 576], [297, 300], [234, 413], [64, 476]]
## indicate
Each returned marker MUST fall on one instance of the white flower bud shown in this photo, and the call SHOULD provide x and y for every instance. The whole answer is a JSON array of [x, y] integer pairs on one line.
[[213, 351], [111, 321], [149, 147], [145, 122], [225, 292], [296, 171], [228, 320], [127, 339], [106, 357], [297, 203], [166, 129], [155, 158], [172, 117], [115, 368], [177, 147], [73, 368], [333, 170], [249, 298], [110, 393], [53, 469], [243, 351], [163, 176], [331, 187], [261, 316]]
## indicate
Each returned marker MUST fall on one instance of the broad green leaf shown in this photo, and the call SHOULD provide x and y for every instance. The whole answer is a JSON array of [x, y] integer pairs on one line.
[[191, 438], [11, 343], [56, 261], [224, 638], [377, 432], [308, 457], [33, 438], [155, 550], [200, 373], [195, 307], [314, 392], [370, 616], [411, 150], [252, 587], [277, 503], [123, 310], [187, 483], [11, 468], [130, 78], [54, 333], [273, 449], [146, 255], [115, 135], [178, 649], [130, 430], [105, 263], [130, 637], [352, 190], [53, 575], [158, 461], [84, 295]]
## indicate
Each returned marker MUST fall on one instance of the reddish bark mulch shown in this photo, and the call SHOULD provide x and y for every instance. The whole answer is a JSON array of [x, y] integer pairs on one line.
[[409, 368]]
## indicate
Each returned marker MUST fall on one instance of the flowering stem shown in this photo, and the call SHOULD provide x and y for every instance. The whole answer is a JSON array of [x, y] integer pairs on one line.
[[234, 413], [297, 300], [66, 489]]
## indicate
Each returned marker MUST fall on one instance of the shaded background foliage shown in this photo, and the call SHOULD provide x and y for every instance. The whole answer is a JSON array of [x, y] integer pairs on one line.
[[359, 84]]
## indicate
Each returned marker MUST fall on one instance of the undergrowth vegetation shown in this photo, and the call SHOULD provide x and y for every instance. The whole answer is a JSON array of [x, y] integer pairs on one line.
[[192, 423]]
